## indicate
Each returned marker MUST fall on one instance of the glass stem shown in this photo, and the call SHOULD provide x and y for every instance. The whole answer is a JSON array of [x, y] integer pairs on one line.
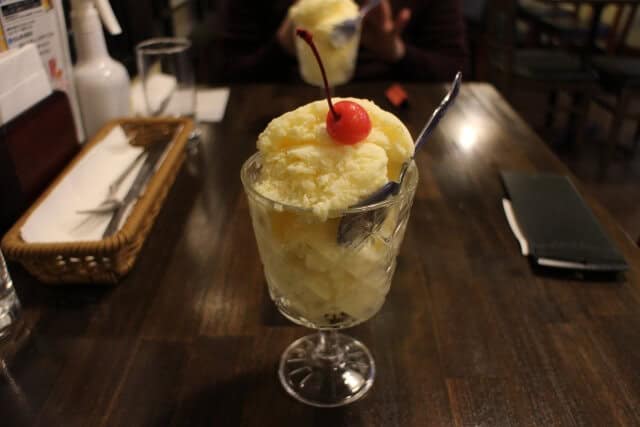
[[328, 349]]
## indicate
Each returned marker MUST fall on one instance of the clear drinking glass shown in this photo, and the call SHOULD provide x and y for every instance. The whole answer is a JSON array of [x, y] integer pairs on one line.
[[324, 285], [9, 304], [166, 71], [339, 60]]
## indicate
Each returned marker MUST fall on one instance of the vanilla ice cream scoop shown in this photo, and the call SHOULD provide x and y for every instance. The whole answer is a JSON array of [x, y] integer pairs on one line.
[[320, 17], [322, 14], [303, 166], [300, 187]]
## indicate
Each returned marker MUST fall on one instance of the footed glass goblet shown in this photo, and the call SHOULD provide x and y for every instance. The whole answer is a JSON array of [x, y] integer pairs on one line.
[[320, 281]]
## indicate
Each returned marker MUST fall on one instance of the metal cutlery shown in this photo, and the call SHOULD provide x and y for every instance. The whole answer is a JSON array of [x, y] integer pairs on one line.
[[111, 201], [345, 30], [154, 155], [141, 136], [354, 228]]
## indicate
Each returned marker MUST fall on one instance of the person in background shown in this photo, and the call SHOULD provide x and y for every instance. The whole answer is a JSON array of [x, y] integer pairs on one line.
[[404, 40]]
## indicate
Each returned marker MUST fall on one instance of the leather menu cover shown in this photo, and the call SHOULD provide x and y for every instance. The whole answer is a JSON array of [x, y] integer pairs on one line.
[[559, 227], [34, 147]]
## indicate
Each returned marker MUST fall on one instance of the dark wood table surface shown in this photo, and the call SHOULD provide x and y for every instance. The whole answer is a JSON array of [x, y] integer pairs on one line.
[[469, 334]]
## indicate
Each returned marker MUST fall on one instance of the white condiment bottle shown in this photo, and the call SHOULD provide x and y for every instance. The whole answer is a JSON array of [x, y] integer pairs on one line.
[[101, 82]]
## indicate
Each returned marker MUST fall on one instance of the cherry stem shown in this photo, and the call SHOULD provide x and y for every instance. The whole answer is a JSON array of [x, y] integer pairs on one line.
[[306, 36]]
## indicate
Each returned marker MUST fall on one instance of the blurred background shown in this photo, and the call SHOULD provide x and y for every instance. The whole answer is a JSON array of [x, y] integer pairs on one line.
[[571, 69]]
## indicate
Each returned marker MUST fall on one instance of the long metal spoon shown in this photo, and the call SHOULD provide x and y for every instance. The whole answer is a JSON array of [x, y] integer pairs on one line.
[[354, 228], [343, 31]]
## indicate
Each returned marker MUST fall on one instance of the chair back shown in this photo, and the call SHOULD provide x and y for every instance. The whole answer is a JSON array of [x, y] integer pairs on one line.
[[624, 18], [500, 33]]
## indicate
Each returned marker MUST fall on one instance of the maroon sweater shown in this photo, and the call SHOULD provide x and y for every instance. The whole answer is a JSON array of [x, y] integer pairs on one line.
[[434, 39]]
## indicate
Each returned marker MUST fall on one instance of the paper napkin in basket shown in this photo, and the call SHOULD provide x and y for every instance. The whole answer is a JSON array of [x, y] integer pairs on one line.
[[84, 187]]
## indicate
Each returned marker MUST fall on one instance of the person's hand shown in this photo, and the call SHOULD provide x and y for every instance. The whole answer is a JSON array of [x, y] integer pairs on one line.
[[382, 33], [284, 35]]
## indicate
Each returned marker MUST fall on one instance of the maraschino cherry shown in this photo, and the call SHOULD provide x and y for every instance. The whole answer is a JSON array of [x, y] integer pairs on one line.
[[347, 122]]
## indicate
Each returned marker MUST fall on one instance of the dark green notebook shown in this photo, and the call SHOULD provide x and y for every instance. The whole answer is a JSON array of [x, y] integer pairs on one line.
[[559, 228]]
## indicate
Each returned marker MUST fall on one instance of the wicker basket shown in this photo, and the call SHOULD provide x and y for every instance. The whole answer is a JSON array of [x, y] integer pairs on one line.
[[105, 261]]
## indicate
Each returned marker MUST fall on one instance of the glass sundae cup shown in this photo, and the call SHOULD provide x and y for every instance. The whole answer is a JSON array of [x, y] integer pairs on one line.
[[324, 282], [339, 56], [340, 60]]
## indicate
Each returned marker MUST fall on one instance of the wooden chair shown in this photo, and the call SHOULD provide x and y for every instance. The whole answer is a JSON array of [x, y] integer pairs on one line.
[[559, 24], [619, 77], [548, 70]]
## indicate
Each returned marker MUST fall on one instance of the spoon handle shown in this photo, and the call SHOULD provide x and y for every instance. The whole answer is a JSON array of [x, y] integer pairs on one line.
[[356, 227], [367, 7], [439, 112]]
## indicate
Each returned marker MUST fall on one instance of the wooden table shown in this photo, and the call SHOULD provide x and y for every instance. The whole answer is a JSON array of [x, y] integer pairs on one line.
[[469, 335]]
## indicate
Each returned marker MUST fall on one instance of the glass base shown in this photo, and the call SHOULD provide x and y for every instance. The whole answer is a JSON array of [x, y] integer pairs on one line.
[[194, 141], [195, 134], [9, 312], [13, 341], [327, 369]]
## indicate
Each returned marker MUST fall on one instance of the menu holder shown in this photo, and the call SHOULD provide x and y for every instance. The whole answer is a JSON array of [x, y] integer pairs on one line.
[[555, 226], [104, 261], [29, 161]]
